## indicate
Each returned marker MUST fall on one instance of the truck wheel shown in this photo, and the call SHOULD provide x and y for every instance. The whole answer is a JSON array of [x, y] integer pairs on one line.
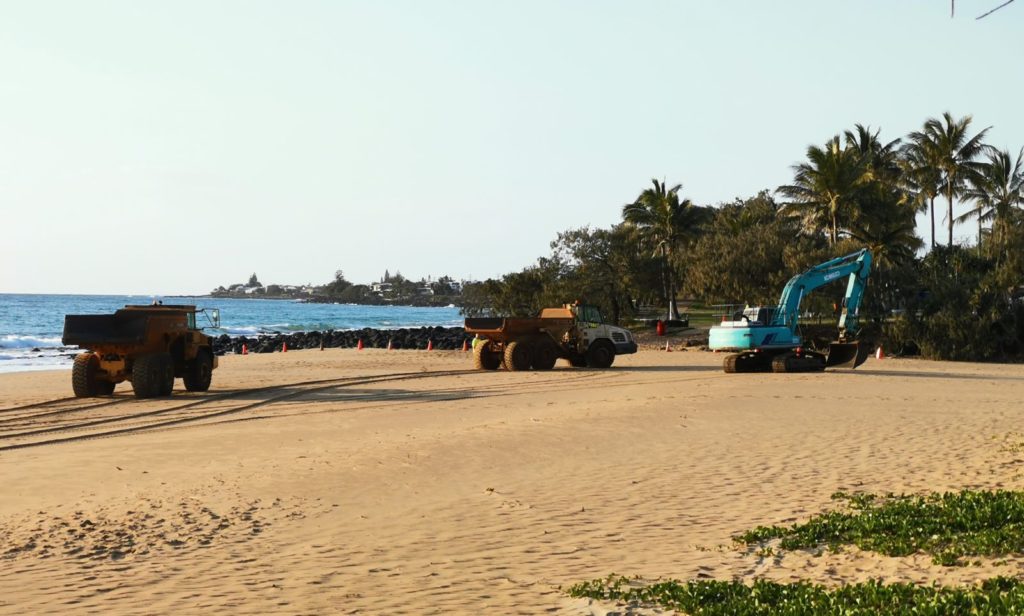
[[199, 372], [153, 375], [600, 354], [167, 374], [484, 358], [517, 356], [83, 377], [545, 355]]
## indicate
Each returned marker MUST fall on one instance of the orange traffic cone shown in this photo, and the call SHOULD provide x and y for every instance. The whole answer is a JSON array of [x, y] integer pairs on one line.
[[359, 345], [389, 344], [879, 353], [668, 349], [284, 347], [465, 346], [430, 345], [245, 349]]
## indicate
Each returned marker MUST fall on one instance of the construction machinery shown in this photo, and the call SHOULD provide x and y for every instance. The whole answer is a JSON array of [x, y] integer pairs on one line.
[[147, 345], [765, 339], [575, 332]]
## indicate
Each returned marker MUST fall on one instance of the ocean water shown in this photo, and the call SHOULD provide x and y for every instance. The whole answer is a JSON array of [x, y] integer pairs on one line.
[[31, 325]]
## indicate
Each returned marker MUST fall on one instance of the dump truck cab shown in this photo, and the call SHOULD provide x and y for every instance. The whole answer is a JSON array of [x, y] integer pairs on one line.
[[592, 328], [149, 345]]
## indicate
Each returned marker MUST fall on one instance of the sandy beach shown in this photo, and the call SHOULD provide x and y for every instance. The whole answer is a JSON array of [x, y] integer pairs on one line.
[[370, 482]]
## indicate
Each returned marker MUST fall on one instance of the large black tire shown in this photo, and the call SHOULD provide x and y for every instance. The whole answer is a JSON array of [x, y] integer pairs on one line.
[[545, 354], [484, 358], [153, 375], [167, 384], [600, 354], [517, 355], [84, 380], [199, 372]]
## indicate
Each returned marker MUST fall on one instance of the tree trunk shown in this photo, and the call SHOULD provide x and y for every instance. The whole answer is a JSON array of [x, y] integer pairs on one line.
[[932, 199], [670, 286], [950, 195], [673, 307], [665, 287]]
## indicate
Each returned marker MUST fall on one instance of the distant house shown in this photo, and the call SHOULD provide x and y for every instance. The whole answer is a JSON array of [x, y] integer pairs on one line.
[[381, 288], [424, 291]]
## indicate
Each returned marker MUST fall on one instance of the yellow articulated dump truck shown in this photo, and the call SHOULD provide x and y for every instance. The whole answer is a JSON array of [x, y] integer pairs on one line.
[[575, 332], [147, 345]]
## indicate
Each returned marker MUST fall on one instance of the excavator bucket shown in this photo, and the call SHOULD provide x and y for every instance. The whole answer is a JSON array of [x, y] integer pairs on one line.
[[847, 354]]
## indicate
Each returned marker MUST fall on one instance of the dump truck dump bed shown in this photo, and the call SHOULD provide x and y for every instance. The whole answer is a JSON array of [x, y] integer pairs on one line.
[[121, 328], [507, 328]]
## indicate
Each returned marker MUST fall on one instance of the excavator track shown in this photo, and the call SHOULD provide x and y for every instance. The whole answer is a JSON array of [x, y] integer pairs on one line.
[[746, 362], [804, 362]]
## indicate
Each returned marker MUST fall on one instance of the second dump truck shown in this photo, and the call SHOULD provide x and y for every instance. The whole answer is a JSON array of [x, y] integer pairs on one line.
[[575, 332]]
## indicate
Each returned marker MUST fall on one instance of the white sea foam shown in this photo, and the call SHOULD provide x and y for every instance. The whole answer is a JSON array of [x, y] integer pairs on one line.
[[255, 330], [14, 341], [46, 358]]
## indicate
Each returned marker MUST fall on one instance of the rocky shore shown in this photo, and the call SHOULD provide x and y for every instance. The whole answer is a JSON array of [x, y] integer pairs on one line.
[[415, 338]]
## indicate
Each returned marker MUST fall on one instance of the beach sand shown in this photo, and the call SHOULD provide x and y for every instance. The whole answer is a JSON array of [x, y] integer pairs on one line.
[[319, 484]]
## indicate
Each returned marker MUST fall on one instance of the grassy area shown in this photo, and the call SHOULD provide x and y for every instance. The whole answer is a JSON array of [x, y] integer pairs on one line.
[[703, 317], [947, 526], [997, 596]]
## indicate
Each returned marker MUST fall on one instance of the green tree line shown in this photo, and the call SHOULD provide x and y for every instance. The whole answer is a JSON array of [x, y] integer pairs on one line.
[[856, 190]]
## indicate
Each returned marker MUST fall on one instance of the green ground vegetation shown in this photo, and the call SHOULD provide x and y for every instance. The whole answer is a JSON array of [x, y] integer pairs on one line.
[[995, 597], [949, 526]]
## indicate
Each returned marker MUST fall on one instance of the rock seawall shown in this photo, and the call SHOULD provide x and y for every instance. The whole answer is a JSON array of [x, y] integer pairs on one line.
[[450, 338]]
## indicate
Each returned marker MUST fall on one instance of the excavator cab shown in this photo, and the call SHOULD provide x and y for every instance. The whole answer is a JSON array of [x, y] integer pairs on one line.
[[756, 315]]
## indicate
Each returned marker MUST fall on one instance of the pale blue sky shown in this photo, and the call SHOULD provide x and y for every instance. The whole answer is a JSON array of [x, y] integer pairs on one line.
[[171, 147]]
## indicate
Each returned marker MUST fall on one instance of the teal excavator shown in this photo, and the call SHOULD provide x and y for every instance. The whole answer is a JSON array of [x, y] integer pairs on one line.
[[767, 339]]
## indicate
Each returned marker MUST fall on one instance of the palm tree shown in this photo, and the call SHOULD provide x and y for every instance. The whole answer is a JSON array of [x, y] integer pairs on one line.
[[824, 189], [664, 221], [887, 228], [996, 189], [922, 176], [955, 153], [881, 161]]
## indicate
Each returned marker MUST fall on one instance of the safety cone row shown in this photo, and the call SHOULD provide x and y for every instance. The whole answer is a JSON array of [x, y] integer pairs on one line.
[[359, 345], [245, 349]]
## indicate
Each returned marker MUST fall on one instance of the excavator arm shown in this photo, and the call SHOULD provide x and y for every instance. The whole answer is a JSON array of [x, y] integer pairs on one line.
[[857, 266]]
